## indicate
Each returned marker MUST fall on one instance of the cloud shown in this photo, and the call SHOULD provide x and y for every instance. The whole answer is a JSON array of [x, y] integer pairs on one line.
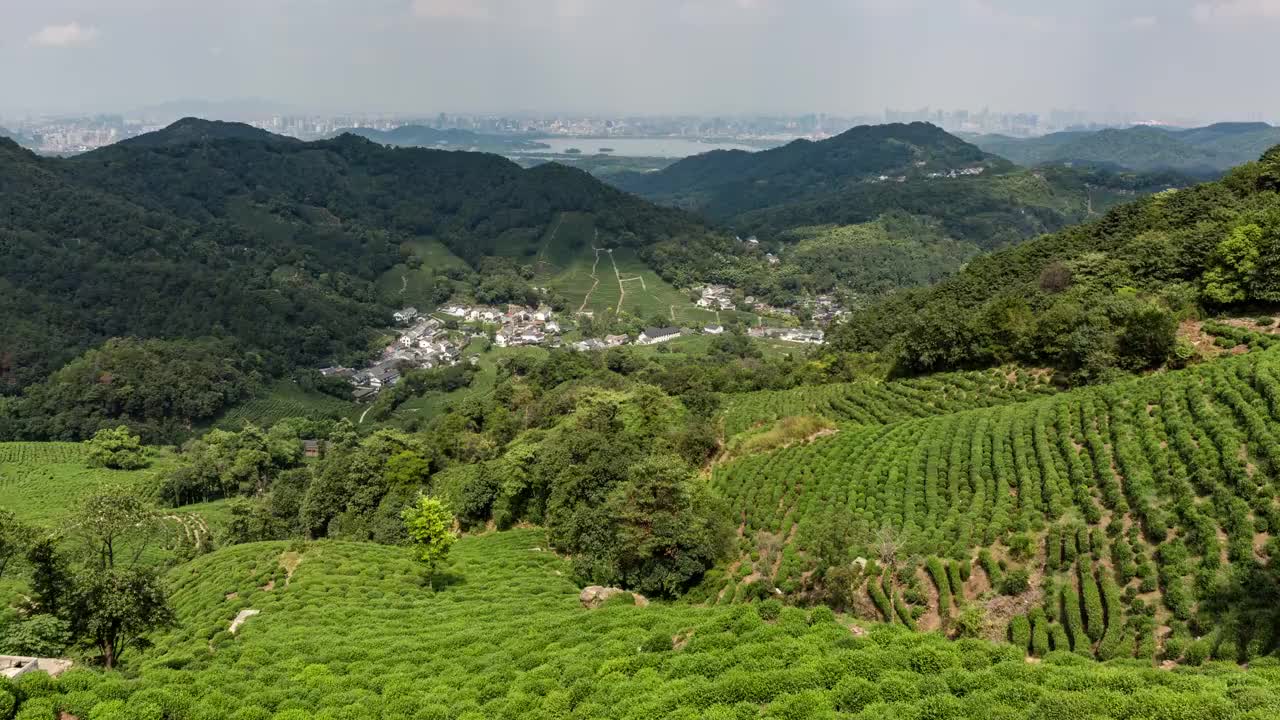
[[452, 10], [1233, 10], [717, 12], [70, 35], [992, 14], [1144, 21]]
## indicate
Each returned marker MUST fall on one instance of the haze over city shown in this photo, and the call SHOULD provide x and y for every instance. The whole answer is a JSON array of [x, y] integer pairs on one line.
[[1168, 59]]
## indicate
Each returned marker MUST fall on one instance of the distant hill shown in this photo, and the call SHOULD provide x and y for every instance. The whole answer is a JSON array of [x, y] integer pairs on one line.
[[1076, 299], [17, 137], [1207, 150], [724, 183], [190, 130], [211, 228], [449, 139], [973, 201]]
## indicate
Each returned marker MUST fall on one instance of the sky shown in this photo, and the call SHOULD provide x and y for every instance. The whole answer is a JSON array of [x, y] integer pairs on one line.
[[1210, 59]]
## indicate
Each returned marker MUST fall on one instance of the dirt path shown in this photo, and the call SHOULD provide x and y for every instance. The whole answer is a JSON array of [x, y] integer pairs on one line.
[[542, 251], [596, 278], [366, 412]]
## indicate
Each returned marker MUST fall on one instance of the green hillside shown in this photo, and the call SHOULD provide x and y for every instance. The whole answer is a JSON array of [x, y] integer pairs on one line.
[[1167, 483], [502, 635], [1096, 296], [290, 254], [887, 207], [1205, 151]]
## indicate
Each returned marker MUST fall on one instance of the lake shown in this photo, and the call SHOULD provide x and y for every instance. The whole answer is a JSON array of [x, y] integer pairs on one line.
[[637, 147]]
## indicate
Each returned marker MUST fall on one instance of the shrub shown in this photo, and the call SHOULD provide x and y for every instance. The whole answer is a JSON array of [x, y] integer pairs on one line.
[[821, 616], [1020, 633], [769, 609], [852, 694], [1015, 582]]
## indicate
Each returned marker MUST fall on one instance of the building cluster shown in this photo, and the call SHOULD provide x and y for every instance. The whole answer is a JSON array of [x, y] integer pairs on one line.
[[715, 297], [825, 309], [519, 325], [959, 173], [422, 345], [812, 336]]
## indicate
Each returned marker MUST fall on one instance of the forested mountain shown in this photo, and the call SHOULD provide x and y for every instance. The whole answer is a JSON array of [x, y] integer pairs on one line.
[[889, 206], [1204, 151], [220, 229], [861, 174], [445, 139], [723, 184], [1099, 295]]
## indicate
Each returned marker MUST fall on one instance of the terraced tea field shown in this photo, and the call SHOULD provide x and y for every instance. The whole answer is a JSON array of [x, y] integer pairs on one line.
[[1130, 501], [348, 630]]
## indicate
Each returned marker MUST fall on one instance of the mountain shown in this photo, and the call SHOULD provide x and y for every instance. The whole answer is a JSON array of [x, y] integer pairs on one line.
[[1206, 151], [449, 139], [725, 183], [17, 137], [1096, 296], [219, 229], [882, 207]]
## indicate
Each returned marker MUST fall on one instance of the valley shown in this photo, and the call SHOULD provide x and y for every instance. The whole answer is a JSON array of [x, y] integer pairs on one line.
[[873, 427]]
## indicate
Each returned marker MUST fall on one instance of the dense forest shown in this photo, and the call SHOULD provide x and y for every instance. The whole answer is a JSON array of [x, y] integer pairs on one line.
[[1097, 296], [208, 229], [1207, 150]]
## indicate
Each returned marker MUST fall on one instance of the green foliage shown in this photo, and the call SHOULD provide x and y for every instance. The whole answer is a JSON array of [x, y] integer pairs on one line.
[[155, 388], [430, 528], [116, 448], [1119, 286]]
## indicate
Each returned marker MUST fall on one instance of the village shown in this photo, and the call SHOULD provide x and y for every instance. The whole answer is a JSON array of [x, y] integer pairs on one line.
[[440, 339]]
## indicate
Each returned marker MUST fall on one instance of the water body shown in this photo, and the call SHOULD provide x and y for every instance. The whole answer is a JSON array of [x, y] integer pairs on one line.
[[637, 147]]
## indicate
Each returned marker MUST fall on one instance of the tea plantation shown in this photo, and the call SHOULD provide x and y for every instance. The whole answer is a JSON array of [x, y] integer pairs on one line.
[[1131, 518], [350, 631]]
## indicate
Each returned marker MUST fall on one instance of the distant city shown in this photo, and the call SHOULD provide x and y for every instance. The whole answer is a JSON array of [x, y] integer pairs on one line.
[[72, 134]]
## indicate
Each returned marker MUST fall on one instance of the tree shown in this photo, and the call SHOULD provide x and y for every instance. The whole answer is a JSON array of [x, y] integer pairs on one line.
[[1232, 266], [115, 608], [118, 449], [669, 530], [430, 527], [114, 525]]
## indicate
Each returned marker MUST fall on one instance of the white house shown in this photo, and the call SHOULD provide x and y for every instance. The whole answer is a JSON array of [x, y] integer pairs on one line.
[[713, 329], [405, 315], [653, 335], [454, 310]]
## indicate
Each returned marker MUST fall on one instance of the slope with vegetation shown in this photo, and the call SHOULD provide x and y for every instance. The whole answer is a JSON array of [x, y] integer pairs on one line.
[[499, 633], [272, 253], [1207, 150], [1095, 297], [880, 205], [1153, 500]]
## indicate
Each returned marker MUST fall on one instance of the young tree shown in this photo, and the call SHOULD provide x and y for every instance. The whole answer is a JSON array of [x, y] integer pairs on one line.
[[117, 449], [430, 527]]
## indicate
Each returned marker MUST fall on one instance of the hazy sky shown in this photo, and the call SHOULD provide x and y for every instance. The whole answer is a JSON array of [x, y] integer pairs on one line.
[[1197, 58]]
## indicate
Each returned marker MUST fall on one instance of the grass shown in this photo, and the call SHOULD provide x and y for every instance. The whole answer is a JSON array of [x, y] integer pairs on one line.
[[355, 633], [402, 285], [285, 399], [42, 482], [600, 281]]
